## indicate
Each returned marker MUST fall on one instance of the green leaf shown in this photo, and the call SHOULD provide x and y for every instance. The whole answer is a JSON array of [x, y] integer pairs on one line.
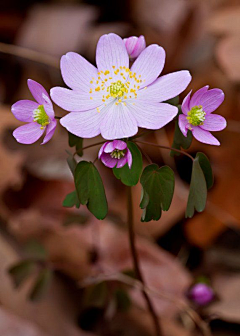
[[41, 285], [180, 141], [35, 250], [71, 200], [21, 271], [158, 187], [122, 300], [206, 168], [173, 101], [72, 163], [198, 190], [90, 189], [130, 177], [96, 295], [77, 142]]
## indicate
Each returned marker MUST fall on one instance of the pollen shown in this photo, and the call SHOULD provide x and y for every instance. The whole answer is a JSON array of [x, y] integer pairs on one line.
[[41, 117], [118, 154], [196, 116]]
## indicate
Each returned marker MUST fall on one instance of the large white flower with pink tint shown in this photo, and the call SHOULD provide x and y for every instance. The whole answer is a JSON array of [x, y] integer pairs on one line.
[[113, 100]]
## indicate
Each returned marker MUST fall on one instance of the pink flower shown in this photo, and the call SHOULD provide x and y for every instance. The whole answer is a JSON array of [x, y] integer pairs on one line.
[[39, 116], [201, 294], [197, 115], [115, 153], [135, 45], [112, 99]]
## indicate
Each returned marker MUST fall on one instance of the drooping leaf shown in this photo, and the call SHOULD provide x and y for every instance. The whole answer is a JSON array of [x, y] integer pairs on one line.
[[21, 271], [35, 250], [90, 189], [130, 177], [41, 285], [71, 200], [158, 187], [198, 190], [179, 140], [206, 168], [77, 142], [72, 163]]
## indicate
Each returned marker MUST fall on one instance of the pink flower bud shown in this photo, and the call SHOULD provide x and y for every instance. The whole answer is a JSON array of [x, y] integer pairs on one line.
[[201, 294], [135, 45]]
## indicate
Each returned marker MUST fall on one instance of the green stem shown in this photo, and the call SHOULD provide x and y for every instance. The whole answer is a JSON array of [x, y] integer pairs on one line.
[[137, 270], [165, 147]]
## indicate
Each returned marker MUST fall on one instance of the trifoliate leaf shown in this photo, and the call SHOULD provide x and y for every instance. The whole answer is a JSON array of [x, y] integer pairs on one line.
[[77, 142], [180, 141], [158, 188], [71, 200], [90, 189], [41, 285], [130, 177], [21, 271], [206, 168], [198, 189]]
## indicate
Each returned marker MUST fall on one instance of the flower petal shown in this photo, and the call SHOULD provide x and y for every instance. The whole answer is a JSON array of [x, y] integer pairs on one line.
[[129, 158], [204, 136], [111, 51], [28, 134], [122, 162], [118, 122], [167, 87], [23, 110], [75, 101], [109, 147], [186, 103], [108, 161], [77, 72], [50, 129], [195, 100], [119, 144], [83, 124], [149, 64], [153, 115], [182, 122], [214, 122], [211, 100], [38, 92], [101, 150]]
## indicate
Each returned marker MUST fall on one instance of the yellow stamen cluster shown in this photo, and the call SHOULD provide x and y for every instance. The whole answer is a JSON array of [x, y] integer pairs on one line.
[[41, 117], [119, 83]]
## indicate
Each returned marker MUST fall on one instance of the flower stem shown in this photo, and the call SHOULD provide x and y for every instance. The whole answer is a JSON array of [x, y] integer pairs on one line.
[[165, 147], [136, 262]]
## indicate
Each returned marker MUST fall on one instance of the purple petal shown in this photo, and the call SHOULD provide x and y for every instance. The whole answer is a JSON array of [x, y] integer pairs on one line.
[[214, 122], [38, 92], [75, 101], [129, 158], [211, 99], [153, 115], [182, 122], [195, 100], [101, 150], [109, 147], [50, 129], [204, 136], [108, 161], [83, 124], [166, 87], [111, 51], [118, 122], [135, 45], [186, 103], [122, 162], [149, 64], [77, 72], [23, 110], [28, 134], [119, 144]]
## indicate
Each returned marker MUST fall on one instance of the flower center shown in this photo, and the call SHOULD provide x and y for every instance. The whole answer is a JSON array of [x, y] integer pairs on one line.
[[196, 116], [117, 89], [40, 116], [117, 154]]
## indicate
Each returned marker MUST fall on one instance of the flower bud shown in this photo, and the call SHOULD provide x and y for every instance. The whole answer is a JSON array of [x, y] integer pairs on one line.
[[135, 45], [201, 294]]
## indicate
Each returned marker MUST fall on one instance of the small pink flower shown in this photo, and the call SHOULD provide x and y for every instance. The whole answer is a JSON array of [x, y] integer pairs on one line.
[[115, 154], [197, 115], [135, 45], [38, 115], [201, 294]]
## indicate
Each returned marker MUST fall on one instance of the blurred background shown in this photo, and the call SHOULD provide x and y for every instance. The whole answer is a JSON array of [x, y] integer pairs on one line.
[[56, 263]]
